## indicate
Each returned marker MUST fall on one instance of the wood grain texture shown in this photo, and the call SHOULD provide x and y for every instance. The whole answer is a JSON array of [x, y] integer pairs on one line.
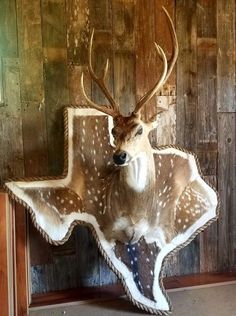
[[123, 23], [226, 56], [186, 27], [11, 143], [124, 57], [146, 59], [55, 78], [78, 29], [226, 189], [206, 119], [32, 87], [43, 50], [4, 284], [21, 261], [8, 26], [101, 21]]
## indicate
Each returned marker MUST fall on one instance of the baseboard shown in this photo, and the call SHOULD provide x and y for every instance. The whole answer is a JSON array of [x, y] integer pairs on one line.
[[116, 290]]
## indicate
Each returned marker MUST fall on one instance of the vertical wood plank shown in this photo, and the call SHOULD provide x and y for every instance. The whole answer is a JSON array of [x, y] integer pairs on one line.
[[100, 14], [31, 85], [78, 32], [124, 81], [12, 158], [206, 93], [55, 78], [226, 56], [146, 59], [163, 36], [8, 26], [22, 289], [226, 188], [206, 127], [206, 21], [209, 241], [4, 270], [124, 59], [78, 29], [186, 27], [186, 73], [101, 21], [123, 24]]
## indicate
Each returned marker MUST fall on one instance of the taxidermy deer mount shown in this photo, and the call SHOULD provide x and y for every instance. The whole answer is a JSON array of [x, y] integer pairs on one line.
[[141, 203], [131, 208]]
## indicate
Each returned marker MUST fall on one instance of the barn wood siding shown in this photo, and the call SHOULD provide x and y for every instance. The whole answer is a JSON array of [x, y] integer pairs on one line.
[[43, 50]]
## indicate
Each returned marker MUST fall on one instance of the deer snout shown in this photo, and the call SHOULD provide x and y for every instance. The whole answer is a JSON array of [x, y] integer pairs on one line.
[[120, 157]]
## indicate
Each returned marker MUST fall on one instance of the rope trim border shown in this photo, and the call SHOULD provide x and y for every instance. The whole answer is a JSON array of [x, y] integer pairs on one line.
[[94, 234]]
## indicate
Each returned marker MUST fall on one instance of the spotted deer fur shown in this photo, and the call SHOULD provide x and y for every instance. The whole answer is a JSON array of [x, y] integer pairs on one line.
[[142, 203]]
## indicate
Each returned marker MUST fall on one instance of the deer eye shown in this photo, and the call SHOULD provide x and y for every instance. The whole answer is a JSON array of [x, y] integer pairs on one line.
[[139, 131], [114, 133]]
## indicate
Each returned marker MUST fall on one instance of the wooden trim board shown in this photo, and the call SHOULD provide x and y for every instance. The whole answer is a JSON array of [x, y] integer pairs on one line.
[[114, 291], [4, 285]]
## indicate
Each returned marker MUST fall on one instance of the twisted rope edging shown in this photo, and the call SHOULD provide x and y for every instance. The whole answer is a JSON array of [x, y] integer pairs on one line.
[[94, 234]]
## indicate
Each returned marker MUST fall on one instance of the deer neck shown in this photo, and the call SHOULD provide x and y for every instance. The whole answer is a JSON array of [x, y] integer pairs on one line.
[[139, 175]]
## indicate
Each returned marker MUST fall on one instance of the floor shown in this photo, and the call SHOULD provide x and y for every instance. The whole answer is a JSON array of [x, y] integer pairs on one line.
[[208, 301]]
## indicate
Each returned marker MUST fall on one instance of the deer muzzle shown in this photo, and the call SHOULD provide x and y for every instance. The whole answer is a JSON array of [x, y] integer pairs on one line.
[[120, 157]]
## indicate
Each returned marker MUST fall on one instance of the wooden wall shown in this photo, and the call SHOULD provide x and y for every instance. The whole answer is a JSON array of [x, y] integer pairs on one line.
[[43, 49]]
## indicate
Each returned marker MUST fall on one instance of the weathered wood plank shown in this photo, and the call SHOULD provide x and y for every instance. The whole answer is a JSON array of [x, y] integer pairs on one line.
[[100, 14], [88, 262], [102, 49], [75, 92], [209, 241], [124, 81], [146, 59], [207, 119], [32, 89], [21, 262], [55, 78], [206, 92], [226, 56], [12, 158], [8, 27], [124, 59], [4, 269], [78, 30], [123, 22], [186, 73], [186, 27], [206, 24], [30, 50], [163, 36], [226, 188], [53, 23]]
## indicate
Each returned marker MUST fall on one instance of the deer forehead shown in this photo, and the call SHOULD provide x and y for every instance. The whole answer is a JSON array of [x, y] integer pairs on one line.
[[128, 125]]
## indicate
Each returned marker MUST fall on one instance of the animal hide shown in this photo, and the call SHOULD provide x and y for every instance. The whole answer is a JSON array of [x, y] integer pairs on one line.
[[81, 196]]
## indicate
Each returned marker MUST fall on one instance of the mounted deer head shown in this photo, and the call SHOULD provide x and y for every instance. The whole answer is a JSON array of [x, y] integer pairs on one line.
[[131, 133], [152, 203]]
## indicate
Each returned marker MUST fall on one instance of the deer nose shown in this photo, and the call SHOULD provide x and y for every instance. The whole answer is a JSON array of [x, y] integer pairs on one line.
[[120, 157]]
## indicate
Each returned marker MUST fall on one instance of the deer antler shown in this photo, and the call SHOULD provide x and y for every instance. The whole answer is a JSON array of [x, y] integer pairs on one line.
[[167, 69], [113, 109]]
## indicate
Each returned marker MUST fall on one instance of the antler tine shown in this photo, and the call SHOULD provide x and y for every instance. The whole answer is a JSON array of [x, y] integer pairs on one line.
[[101, 108], [159, 83], [166, 73], [175, 43], [100, 81]]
